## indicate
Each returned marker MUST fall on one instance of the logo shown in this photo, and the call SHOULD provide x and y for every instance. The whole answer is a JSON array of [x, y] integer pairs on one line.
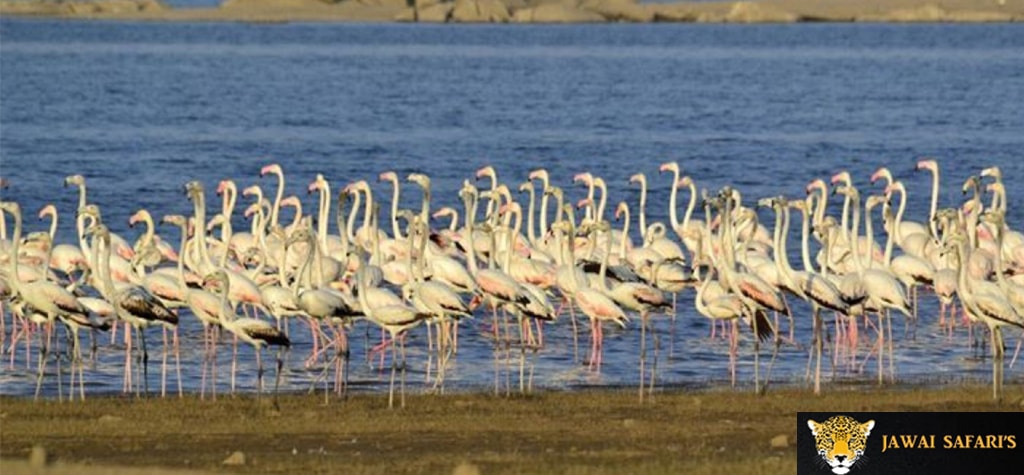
[[840, 441]]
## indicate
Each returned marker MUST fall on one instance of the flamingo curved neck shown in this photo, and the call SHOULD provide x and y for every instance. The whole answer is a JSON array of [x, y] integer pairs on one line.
[[395, 195], [544, 212], [934, 203], [530, 235], [625, 233], [275, 210], [642, 218], [673, 199]]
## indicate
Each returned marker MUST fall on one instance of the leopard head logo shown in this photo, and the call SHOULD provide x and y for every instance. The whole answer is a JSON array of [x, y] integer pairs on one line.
[[840, 441]]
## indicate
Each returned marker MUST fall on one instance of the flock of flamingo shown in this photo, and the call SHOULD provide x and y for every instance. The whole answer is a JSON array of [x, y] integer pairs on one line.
[[407, 273]]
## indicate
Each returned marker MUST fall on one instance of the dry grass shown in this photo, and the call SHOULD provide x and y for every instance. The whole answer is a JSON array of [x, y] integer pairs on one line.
[[706, 432]]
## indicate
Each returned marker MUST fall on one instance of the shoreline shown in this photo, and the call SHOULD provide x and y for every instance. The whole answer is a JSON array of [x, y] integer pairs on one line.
[[531, 11], [596, 431]]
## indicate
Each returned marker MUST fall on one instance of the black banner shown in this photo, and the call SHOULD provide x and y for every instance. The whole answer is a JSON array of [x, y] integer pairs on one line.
[[871, 443]]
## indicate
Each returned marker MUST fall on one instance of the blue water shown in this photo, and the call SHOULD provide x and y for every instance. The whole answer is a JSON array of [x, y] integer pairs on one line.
[[141, 108]]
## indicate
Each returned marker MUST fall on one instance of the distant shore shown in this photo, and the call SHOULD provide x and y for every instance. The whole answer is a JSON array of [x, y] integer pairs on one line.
[[531, 11]]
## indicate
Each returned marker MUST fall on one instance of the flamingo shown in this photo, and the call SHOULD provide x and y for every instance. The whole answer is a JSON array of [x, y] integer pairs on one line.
[[133, 304], [250, 330], [204, 305], [396, 319], [595, 305], [47, 298], [983, 305]]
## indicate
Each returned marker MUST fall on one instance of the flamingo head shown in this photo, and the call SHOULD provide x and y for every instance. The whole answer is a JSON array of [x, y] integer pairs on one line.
[[526, 186], [487, 171], [928, 164], [669, 167], [388, 176], [874, 200], [843, 176], [685, 181], [993, 172], [251, 210], [4, 183], [217, 220], [48, 210], [175, 219], [971, 183], [584, 203], [91, 210], [844, 190], [817, 184], [420, 179], [291, 201], [77, 180], [139, 216], [895, 186], [272, 168], [638, 178], [882, 172], [221, 187], [444, 211], [539, 174], [555, 191], [584, 177], [252, 190], [193, 189], [621, 209]]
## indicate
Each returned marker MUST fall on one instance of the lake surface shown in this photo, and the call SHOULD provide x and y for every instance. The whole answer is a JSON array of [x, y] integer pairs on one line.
[[141, 108]]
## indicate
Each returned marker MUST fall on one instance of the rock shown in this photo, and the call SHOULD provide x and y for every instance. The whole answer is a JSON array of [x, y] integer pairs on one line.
[[406, 15], [386, 3], [37, 458], [556, 13], [780, 441], [466, 468], [439, 13], [925, 13], [235, 459], [673, 13], [931, 12], [480, 11], [107, 419], [750, 12], [619, 10], [271, 4]]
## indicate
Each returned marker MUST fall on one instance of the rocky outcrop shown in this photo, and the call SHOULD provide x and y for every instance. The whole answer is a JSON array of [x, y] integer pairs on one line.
[[750, 12], [436, 13], [619, 10], [480, 11], [556, 13], [271, 4], [82, 8], [497, 11], [931, 12]]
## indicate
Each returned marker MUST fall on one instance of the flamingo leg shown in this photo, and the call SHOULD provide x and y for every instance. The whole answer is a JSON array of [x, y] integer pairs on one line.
[[643, 353], [163, 366]]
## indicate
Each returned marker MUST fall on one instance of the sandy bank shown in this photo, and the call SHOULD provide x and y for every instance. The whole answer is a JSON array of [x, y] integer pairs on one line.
[[710, 431], [532, 11]]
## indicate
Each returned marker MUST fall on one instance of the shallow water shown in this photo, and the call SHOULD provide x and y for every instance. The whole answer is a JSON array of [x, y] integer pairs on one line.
[[141, 108]]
